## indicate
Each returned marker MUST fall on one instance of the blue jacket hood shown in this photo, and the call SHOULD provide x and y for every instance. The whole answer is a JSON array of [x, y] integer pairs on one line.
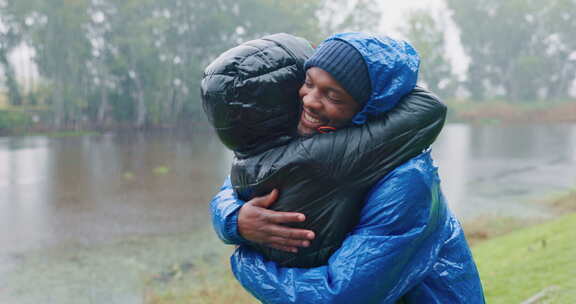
[[392, 66]]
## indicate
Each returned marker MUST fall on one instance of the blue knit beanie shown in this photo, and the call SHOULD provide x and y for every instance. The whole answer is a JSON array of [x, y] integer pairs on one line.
[[346, 65]]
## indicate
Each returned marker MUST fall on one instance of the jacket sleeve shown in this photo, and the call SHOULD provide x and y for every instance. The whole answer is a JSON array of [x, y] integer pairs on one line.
[[224, 209], [392, 249], [366, 153]]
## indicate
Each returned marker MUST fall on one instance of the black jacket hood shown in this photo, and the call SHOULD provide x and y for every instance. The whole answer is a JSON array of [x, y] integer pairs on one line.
[[250, 92]]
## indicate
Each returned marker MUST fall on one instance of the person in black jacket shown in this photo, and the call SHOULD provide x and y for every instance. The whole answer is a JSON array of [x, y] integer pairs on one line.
[[324, 177]]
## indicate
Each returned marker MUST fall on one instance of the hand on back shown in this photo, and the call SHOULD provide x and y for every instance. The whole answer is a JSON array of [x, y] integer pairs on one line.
[[259, 225]]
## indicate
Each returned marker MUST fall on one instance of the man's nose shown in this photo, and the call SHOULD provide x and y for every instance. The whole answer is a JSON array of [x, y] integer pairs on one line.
[[312, 100]]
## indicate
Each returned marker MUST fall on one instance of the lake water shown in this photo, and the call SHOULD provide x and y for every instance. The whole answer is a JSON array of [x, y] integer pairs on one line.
[[496, 170], [86, 218]]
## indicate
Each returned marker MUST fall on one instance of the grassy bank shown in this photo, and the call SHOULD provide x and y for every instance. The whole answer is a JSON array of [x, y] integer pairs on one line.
[[532, 263], [518, 260], [536, 262], [210, 283], [489, 227]]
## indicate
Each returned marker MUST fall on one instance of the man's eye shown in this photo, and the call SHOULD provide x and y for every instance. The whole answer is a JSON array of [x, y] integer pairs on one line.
[[334, 100], [308, 84]]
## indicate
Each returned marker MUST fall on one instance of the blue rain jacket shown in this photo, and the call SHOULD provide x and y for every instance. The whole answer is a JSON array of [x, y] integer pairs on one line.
[[407, 246]]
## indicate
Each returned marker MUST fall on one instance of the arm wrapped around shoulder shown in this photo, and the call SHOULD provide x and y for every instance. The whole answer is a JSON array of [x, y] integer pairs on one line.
[[365, 153]]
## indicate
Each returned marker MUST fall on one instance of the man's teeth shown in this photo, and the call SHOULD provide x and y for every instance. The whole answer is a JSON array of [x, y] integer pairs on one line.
[[311, 119]]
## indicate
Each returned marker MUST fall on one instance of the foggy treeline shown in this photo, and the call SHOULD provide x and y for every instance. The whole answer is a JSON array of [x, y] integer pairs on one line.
[[139, 62]]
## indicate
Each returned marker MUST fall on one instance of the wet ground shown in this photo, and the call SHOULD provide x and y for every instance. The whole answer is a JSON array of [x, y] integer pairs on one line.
[[104, 219]]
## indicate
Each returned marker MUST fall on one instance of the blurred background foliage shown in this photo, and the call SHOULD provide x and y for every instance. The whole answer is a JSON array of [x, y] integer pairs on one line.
[[137, 63]]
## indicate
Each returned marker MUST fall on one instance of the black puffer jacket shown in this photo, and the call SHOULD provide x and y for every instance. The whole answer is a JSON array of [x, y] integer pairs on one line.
[[250, 96]]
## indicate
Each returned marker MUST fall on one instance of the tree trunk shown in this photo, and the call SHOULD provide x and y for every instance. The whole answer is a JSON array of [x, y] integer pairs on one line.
[[103, 107], [14, 96], [58, 105], [141, 110]]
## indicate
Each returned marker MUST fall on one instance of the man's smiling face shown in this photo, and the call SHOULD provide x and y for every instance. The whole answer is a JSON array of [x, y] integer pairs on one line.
[[325, 103]]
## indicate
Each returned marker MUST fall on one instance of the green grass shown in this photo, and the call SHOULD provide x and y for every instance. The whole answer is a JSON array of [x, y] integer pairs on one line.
[[517, 259], [519, 265], [209, 283], [513, 268], [564, 202]]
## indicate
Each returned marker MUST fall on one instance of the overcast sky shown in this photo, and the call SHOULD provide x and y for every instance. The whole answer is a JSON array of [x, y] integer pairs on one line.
[[395, 11]]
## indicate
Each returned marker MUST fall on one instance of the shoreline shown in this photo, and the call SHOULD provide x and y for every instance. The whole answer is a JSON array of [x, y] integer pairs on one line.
[[486, 228], [501, 112], [478, 121], [480, 233], [459, 111]]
